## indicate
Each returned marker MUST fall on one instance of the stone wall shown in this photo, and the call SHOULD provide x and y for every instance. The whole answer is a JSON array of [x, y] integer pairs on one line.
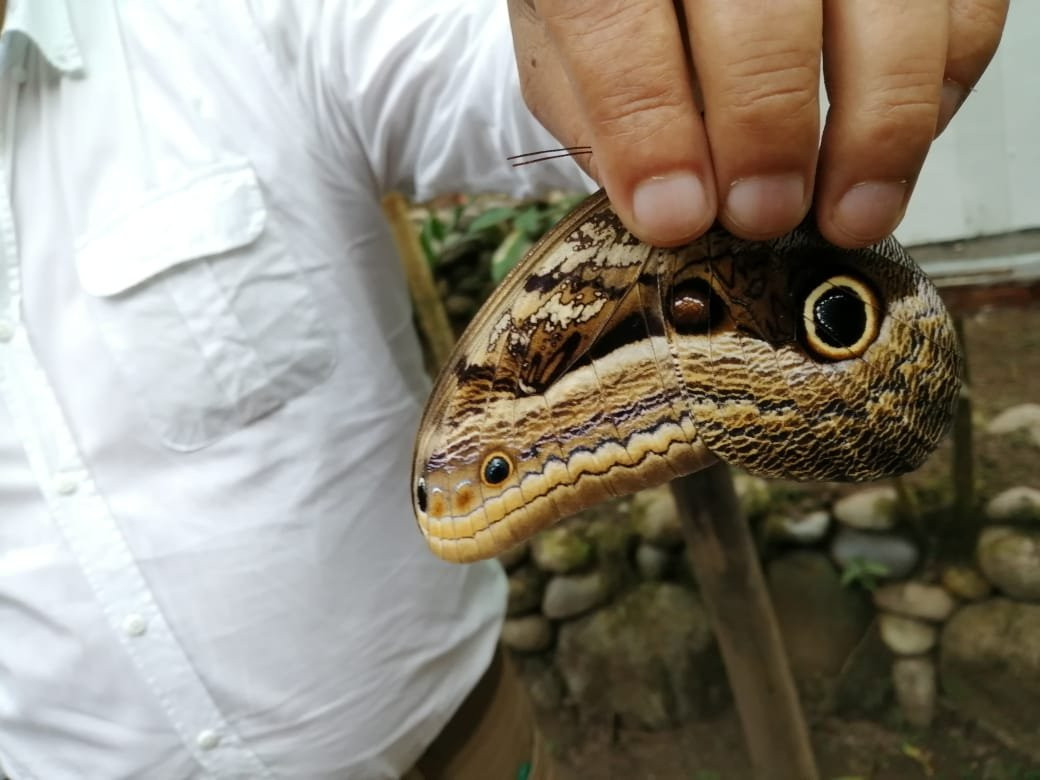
[[604, 614]]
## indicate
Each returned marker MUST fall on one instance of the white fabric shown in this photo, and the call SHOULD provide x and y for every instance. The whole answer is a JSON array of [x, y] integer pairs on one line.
[[209, 381]]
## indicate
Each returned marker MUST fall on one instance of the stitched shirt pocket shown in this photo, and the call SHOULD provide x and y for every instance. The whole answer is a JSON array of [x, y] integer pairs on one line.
[[207, 313]]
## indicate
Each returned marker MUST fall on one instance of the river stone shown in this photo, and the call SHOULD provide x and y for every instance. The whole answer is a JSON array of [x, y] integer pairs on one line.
[[514, 556], [820, 621], [527, 634], [1010, 559], [914, 682], [1015, 418], [966, 583], [871, 509], [652, 561], [989, 665], [897, 554], [648, 659], [656, 518], [525, 590], [560, 550], [916, 600], [568, 595], [906, 636], [1015, 505]]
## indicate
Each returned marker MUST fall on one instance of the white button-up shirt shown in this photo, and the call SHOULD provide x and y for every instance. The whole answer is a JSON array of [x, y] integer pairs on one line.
[[209, 382]]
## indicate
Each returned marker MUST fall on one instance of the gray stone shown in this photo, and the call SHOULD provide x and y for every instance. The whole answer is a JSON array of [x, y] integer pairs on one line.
[[870, 509], [525, 590], [990, 668], [514, 556], [906, 636], [966, 583], [652, 561], [820, 621], [1010, 559], [568, 595], [647, 659], [528, 634], [916, 600], [1022, 417], [1015, 505], [561, 550], [914, 682], [656, 518], [896, 554]]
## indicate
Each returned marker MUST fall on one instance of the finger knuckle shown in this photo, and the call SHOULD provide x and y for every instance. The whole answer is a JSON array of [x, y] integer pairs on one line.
[[636, 112], [778, 85], [905, 102]]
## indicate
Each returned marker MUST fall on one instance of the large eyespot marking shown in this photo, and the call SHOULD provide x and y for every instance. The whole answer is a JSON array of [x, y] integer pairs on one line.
[[841, 318], [420, 494], [496, 469]]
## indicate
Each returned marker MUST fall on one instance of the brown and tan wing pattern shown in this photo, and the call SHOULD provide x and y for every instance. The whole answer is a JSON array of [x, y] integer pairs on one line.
[[602, 365]]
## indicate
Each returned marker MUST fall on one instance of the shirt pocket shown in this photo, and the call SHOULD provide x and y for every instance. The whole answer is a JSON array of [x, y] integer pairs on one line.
[[208, 315]]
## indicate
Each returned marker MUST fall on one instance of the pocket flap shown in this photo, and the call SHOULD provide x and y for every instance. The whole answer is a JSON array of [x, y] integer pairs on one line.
[[214, 212]]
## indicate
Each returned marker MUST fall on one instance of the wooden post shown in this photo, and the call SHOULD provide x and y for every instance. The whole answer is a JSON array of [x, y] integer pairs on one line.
[[725, 563]]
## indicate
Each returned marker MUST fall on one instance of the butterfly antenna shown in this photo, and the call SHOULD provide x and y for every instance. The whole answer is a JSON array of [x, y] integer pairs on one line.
[[547, 154]]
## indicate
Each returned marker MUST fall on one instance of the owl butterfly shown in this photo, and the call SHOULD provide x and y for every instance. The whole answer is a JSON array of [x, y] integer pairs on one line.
[[602, 365]]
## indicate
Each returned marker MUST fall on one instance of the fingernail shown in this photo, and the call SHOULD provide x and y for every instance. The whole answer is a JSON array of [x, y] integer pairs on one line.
[[951, 98], [871, 209], [671, 208], [766, 205]]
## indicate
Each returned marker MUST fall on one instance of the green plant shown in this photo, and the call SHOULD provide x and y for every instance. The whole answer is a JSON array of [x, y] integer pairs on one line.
[[863, 572]]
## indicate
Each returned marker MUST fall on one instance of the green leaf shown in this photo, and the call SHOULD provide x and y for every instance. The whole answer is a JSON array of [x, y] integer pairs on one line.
[[491, 218], [508, 254], [532, 221]]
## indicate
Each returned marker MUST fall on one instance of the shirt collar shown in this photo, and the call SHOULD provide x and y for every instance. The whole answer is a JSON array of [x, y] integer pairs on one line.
[[45, 24]]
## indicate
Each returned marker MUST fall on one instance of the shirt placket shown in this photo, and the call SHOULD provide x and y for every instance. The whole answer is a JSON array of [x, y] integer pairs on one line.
[[83, 518]]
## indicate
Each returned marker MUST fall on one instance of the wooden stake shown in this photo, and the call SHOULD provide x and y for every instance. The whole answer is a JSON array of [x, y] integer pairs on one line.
[[725, 563]]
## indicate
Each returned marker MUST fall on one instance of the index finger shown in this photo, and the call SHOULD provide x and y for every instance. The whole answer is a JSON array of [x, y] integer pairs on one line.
[[628, 67]]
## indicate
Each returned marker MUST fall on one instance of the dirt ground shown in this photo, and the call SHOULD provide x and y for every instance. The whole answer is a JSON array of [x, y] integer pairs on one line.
[[1003, 349]]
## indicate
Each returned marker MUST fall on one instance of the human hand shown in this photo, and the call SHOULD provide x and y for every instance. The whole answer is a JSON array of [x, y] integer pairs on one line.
[[617, 75]]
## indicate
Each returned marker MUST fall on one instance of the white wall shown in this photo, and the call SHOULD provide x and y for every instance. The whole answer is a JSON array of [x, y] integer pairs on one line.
[[982, 176]]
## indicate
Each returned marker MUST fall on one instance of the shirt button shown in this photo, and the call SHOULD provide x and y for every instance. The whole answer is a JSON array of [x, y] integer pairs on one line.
[[65, 484], [6, 330], [207, 739], [134, 625]]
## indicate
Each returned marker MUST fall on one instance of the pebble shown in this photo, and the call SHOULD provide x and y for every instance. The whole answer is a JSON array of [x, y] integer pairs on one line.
[[560, 550], [906, 636], [915, 600], [652, 562], [1010, 559], [570, 595], [656, 518], [1016, 504], [514, 556], [1015, 418], [897, 554], [525, 590], [806, 529], [914, 682], [966, 583], [528, 634], [872, 509]]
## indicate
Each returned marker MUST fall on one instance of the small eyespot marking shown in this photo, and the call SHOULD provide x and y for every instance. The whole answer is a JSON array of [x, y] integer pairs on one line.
[[420, 494]]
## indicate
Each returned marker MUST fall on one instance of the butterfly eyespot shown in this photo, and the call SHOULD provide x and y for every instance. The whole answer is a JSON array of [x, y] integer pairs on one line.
[[496, 469], [841, 318], [420, 494]]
